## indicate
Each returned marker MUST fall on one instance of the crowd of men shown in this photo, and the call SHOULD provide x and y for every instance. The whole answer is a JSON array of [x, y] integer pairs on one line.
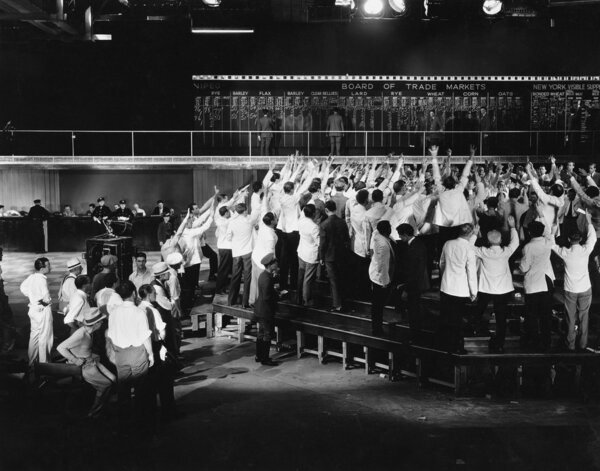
[[386, 233]]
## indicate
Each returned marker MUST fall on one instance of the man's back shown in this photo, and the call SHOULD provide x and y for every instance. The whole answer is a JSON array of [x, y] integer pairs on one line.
[[266, 302], [459, 276], [334, 238]]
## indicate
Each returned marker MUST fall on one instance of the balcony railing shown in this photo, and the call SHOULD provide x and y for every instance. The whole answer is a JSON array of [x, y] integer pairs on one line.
[[196, 147]]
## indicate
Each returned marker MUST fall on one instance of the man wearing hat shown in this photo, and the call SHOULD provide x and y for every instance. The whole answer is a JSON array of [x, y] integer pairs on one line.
[[101, 212], [109, 264], [174, 261], [40, 216], [265, 308], [77, 349], [164, 303], [67, 286], [122, 213], [78, 304]]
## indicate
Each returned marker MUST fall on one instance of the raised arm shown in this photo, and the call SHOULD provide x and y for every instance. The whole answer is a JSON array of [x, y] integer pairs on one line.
[[467, 170]]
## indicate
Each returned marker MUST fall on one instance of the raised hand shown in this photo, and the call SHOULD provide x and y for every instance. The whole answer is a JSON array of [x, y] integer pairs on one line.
[[433, 150], [511, 222], [472, 149]]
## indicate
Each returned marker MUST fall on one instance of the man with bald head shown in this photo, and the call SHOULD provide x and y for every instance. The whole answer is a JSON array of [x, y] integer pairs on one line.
[[495, 280]]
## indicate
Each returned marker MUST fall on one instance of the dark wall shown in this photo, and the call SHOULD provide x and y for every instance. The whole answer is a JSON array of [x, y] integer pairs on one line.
[[81, 187], [142, 79]]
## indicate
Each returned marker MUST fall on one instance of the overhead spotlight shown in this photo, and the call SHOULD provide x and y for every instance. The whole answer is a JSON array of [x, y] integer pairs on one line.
[[399, 6], [373, 7], [492, 7], [212, 3]]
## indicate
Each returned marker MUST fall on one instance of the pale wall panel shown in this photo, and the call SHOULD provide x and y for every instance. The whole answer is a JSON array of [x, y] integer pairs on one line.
[[20, 186]]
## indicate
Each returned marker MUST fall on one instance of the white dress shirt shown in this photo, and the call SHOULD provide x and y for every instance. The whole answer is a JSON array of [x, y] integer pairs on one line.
[[288, 219], [373, 215], [494, 271], [109, 298], [264, 243], [452, 208], [308, 248], [358, 222], [190, 242], [535, 263], [222, 224], [77, 307], [35, 287], [239, 233], [576, 257], [459, 268], [174, 285], [158, 322], [128, 326], [67, 289], [549, 204], [379, 268], [161, 297], [139, 279]]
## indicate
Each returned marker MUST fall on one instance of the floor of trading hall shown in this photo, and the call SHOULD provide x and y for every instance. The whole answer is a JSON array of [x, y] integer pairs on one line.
[[300, 415]]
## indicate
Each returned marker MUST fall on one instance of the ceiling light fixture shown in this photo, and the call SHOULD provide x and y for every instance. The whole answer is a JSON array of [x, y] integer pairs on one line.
[[492, 7], [373, 7]]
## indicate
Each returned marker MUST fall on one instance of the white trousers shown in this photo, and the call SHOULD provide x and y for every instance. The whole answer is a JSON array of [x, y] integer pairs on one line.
[[41, 336]]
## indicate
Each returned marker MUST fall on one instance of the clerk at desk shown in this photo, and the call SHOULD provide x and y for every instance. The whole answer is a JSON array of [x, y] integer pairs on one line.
[[122, 213]]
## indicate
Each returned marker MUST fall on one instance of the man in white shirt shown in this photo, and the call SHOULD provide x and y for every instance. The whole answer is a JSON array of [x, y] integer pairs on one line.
[[41, 336], [356, 213], [67, 287], [549, 204], [539, 286], [174, 261], [288, 224], [222, 217], [308, 255], [164, 303], [264, 243], [458, 271], [452, 210], [107, 298], [495, 280], [79, 305], [189, 243], [578, 288], [239, 233], [381, 273], [141, 275], [129, 336], [374, 214]]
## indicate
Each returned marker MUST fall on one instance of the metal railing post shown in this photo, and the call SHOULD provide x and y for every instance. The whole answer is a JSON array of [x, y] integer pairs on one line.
[[72, 144], [308, 143], [132, 145], [480, 144], [249, 144], [191, 143], [366, 144], [537, 143]]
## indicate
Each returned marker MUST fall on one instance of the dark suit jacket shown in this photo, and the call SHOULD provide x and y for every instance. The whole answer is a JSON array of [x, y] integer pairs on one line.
[[266, 303], [123, 213], [335, 239], [411, 265], [101, 211], [39, 212]]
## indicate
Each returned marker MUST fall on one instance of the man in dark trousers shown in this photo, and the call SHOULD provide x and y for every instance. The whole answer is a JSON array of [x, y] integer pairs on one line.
[[39, 216], [412, 275], [265, 308], [333, 252], [264, 125]]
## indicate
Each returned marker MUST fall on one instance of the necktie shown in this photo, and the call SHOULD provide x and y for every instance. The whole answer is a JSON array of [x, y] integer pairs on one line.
[[570, 213]]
